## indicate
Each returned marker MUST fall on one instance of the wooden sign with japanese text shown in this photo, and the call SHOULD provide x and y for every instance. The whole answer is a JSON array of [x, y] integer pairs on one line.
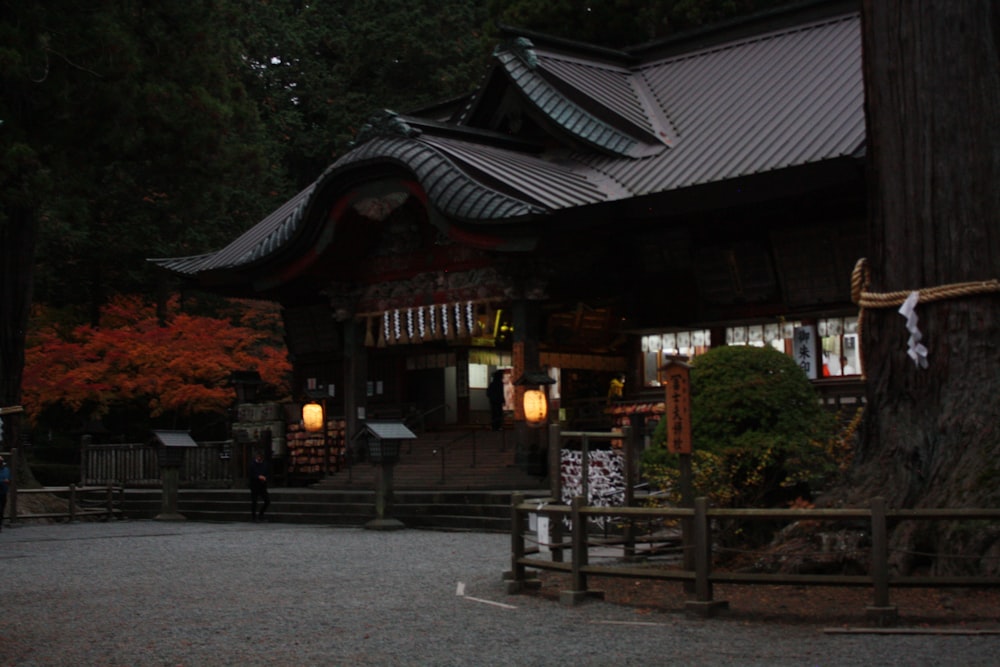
[[678, 407]]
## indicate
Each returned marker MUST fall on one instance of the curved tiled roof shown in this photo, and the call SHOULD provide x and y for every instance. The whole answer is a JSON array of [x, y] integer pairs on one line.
[[523, 66], [454, 192], [757, 104], [263, 238]]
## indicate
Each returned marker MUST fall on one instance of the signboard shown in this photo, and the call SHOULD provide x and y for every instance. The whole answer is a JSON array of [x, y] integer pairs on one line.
[[804, 350], [678, 407]]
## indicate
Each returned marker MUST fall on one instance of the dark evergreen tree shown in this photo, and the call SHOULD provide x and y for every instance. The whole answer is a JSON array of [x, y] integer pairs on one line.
[[620, 23], [320, 70]]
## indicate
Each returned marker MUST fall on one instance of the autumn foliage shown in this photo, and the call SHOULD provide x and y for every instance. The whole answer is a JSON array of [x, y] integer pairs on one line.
[[131, 361]]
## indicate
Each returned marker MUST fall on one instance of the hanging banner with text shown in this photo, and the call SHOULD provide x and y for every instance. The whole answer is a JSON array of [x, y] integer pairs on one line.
[[804, 350], [678, 407]]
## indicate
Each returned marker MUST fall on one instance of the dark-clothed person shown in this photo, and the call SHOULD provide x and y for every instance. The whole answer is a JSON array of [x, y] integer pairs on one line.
[[257, 477], [494, 392], [4, 487]]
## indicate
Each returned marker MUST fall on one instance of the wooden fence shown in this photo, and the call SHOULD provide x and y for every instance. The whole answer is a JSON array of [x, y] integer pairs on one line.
[[100, 501], [699, 580], [137, 465]]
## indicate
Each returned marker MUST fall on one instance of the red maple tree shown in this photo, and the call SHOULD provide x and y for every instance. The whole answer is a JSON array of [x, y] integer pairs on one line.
[[182, 368]]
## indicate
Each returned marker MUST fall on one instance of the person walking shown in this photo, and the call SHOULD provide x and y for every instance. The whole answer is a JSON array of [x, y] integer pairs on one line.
[[4, 487], [257, 477], [494, 392]]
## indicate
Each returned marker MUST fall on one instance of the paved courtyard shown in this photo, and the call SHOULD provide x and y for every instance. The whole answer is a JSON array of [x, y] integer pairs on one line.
[[150, 593]]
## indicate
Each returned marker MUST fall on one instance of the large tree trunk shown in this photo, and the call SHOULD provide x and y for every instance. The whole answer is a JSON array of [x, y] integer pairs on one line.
[[932, 436], [17, 239]]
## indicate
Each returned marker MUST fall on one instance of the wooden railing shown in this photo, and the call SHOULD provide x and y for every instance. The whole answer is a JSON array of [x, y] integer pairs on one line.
[[137, 465], [100, 501], [96, 501], [701, 578]]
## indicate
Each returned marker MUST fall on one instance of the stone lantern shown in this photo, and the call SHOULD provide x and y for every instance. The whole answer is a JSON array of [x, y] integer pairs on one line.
[[170, 449], [382, 440]]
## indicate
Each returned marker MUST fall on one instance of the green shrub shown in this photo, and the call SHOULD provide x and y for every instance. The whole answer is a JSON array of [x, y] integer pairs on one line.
[[758, 431]]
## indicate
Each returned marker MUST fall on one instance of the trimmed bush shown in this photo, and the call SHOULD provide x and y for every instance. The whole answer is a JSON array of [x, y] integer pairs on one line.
[[760, 435]]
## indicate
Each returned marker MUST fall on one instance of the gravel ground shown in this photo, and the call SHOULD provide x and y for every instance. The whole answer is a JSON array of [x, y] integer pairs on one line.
[[151, 593]]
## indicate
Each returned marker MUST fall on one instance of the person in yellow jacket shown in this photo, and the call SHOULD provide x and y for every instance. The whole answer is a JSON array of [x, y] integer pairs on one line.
[[617, 387]]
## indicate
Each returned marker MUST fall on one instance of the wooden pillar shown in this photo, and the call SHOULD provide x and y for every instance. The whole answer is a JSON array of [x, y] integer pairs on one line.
[[718, 336], [462, 407], [355, 377], [525, 358]]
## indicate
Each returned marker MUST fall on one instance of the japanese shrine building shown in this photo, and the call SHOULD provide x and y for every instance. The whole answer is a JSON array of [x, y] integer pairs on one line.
[[585, 212]]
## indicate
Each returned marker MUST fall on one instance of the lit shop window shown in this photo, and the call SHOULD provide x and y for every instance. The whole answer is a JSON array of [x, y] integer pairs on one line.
[[838, 345], [837, 335], [657, 347], [839, 340], [759, 335]]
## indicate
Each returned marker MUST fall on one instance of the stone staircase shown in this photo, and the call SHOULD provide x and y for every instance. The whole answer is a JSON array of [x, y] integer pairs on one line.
[[487, 511], [451, 480], [471, 459]]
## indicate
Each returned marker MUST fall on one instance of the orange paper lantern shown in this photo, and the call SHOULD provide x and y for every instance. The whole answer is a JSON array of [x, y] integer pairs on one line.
[[536, 407], [312, 417]]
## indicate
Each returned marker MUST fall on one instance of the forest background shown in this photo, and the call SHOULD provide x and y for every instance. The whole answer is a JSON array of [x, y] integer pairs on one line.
[[131, 130]]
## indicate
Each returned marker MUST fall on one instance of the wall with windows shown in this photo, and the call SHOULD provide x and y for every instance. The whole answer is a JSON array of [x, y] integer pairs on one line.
[[838, 347]]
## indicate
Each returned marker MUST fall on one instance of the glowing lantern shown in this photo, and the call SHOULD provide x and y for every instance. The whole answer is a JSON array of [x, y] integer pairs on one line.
[[536, 407], [312, 417], [535, 401]]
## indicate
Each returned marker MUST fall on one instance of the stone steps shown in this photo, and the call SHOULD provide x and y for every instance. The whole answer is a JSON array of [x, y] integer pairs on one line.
[[444, 509], [481, 459], [447, 480]]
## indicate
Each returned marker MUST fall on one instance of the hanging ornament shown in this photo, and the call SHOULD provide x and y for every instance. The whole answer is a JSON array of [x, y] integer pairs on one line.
[[915, 349], [458, 319], [432, 322], [409, 325]]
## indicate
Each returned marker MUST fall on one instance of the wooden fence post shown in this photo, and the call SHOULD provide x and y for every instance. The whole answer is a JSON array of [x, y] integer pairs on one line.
[[555, 490], [703, 604], [630, 445], [515, 577], [580, 557], [881, 612], [84, 453]]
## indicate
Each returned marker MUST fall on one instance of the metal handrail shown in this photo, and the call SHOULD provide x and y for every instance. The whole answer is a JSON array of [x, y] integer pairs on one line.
[[460, 437], [412, 419]]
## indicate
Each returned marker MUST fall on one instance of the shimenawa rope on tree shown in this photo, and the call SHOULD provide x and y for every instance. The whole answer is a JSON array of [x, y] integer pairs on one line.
[[861, 280]]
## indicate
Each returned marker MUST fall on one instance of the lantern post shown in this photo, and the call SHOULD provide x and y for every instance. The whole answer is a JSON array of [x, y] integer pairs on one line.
[[536, 396], [170, 449], [535, 406], [314, 421], [382, 439]]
